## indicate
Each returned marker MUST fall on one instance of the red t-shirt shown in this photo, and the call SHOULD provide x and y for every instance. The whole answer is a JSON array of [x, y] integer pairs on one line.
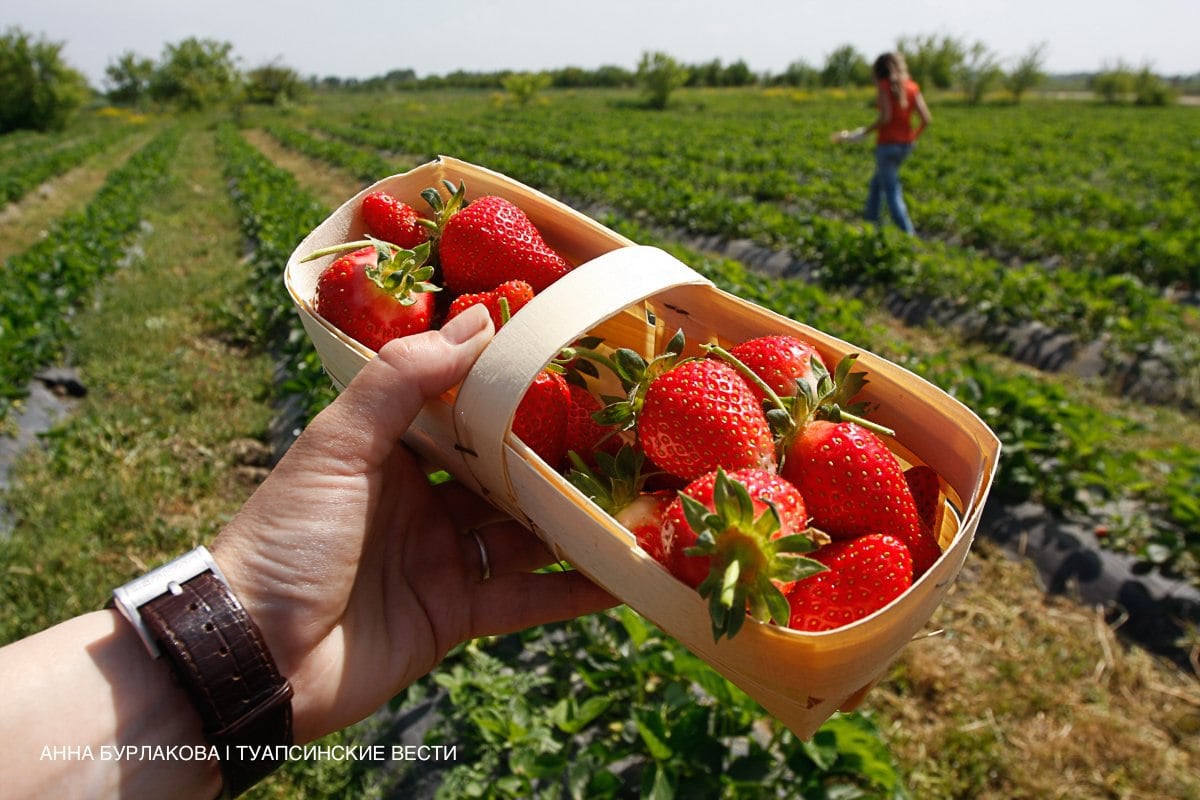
[[898, 129]]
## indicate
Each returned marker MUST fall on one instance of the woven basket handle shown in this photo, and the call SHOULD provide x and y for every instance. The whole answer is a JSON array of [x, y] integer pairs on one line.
[[574, 304]]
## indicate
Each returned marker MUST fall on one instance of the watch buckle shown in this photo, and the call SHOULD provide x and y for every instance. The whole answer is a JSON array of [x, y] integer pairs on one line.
[[163, 580]]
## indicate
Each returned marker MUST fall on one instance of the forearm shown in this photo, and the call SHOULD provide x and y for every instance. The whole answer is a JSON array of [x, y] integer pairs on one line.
[[80, 700]]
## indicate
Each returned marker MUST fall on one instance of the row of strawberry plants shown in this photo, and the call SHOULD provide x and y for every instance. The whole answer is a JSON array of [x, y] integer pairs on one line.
[[275, 214], [635, 708], [364, 165], [43, 285], [29, 168], [1129, 315], [1010, 180]]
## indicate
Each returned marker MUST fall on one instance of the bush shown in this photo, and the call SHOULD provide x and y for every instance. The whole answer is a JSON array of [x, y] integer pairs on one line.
[[659, 75], [523, 87], [274, 85], [1151, 90], [38, 90]]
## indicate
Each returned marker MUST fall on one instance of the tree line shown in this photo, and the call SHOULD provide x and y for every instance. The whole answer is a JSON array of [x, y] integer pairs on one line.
[[38, 90]]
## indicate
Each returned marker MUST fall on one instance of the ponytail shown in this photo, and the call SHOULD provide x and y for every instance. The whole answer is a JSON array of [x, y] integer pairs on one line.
[[892, 68]]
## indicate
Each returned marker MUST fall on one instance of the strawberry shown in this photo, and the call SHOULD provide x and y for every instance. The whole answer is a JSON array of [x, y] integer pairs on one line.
[[488, 241], [780, 361], [376, 293], [584, 434], [691, 415], [513, 293], [853, 486], [736, 538], [393, 220], [643, 517], [615, 482], [863, 576], [541, 418], [923, 484], [701, 415]]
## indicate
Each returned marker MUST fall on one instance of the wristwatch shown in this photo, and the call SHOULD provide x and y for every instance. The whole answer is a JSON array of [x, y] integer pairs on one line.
[[186, 612]]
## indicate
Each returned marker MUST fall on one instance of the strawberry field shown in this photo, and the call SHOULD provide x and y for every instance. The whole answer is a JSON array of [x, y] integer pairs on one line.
[[1053, 288]]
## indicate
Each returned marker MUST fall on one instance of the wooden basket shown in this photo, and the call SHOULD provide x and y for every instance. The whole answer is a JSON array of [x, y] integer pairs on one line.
[[637, 297]]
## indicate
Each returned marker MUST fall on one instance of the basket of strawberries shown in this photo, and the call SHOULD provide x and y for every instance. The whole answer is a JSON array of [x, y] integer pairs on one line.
[[789, 507]]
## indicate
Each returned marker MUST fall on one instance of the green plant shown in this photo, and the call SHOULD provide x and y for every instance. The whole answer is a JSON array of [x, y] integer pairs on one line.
[[659, 75], [524, 87], [42, 285], [195, 74], [607, 706], [38, 90]]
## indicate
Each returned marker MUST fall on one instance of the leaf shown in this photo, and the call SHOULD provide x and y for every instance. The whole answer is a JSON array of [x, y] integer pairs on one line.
[[650, 727]]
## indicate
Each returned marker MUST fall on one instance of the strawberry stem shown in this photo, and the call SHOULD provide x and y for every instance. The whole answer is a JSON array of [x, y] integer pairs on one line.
[[340, 248], [747, 373]]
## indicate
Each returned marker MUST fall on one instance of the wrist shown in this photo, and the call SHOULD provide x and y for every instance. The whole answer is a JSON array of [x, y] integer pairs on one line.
[[188, 617]]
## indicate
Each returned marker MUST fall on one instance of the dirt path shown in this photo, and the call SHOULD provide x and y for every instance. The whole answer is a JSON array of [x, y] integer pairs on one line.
[[22, 223]]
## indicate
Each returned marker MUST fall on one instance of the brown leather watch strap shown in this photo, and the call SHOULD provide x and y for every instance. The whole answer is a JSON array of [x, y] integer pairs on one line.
[[224, 666]]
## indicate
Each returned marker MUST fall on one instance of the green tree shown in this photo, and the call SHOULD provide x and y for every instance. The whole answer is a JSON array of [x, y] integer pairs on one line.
[[738, 74], [800, 74], [128, 79], [1027, 72], [274, 84], [845, 66], [1113, 82], [932, 61], [524, 87], [979, 72], [659, 75], [197, 74], [1151, 90], [38, 90]]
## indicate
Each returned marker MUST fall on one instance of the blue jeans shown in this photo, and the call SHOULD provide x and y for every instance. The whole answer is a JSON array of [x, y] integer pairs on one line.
[[885, 185]]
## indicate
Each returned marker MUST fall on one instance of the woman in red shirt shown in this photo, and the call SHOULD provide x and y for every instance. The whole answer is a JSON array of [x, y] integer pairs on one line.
[[898, 97]]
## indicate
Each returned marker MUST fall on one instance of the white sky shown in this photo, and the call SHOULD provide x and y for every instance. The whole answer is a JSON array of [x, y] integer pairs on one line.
[[361, 38]]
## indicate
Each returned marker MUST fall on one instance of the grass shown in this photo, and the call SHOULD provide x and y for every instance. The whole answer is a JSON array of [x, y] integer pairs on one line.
[[146, 468]]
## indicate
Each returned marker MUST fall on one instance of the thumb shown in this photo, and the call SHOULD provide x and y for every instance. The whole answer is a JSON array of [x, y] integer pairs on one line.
[[380, 403]]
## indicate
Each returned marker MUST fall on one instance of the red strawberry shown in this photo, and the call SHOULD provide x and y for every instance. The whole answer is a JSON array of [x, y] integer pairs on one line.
[[489, 241], [923, 483], [393, 220], [541, 418], [853, 486], [864, 575], [780, 361], [615, 483], [736, 539], [701, 415], [643, 517], [584, 434], [514, 293], [374, 300]]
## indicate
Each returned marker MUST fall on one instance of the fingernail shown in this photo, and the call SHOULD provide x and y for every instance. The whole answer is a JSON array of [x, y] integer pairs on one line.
[[467, 325]]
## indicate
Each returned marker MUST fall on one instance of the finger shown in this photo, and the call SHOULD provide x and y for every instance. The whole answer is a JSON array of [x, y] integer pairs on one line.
[[380, 403], [504, 548], [510, 603]]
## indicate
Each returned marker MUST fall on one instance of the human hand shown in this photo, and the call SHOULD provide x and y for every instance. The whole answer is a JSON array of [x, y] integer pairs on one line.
[[360, 574], [856, 135]]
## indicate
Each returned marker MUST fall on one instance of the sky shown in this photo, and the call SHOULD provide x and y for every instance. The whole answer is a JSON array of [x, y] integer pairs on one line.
[[363, 38]]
